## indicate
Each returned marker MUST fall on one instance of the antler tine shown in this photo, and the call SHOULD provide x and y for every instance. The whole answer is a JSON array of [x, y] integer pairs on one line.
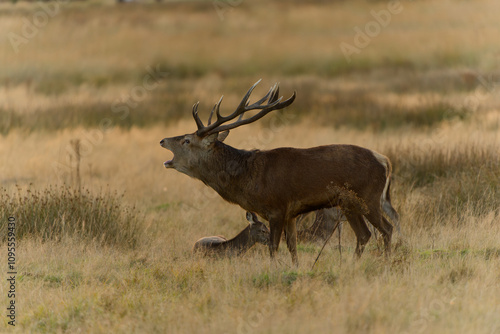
[[247, 96], [210, 117], [245, 104], [211, 114], [273, 103], [197, 119], [259, 103], [265, 110], [275, 94], [272, 94], [216, 107]]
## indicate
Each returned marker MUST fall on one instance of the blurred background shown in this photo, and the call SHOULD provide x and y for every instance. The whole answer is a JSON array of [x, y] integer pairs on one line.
[[366, 64]]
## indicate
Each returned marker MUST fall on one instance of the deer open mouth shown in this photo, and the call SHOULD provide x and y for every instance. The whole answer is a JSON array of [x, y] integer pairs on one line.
[[165, 144], [169, 163]]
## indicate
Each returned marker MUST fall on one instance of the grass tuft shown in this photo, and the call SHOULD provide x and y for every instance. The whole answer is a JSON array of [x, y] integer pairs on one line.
[[58, 212], [450, 179]]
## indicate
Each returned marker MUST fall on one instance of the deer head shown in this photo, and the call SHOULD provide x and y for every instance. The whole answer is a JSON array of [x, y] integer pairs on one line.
[[194, 153], [258, 230]]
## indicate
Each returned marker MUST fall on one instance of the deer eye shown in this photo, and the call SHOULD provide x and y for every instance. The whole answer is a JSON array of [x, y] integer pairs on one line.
[[186, 141]]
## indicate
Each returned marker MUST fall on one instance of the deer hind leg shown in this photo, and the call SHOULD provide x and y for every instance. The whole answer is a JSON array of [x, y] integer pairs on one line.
[[361, 231], [380, 223], [291, 240]]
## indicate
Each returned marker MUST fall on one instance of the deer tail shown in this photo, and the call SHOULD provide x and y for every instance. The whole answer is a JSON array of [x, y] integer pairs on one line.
[[386, 199]]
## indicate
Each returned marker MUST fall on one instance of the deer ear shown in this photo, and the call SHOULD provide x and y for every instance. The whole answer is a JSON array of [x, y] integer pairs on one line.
[[210, 139], [223, 135], [250, 218]]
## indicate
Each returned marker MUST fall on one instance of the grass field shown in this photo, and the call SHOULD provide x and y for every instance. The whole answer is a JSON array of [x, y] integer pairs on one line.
[[104, 232]]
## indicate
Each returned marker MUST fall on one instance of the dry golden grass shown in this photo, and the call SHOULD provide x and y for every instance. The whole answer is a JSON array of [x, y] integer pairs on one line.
[[444, 278], [68, 287], [423, 93]]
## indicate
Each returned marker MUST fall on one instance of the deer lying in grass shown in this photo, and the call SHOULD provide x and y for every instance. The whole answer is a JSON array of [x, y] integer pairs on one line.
[[326, 220], [324, 224], [282, 183], [255, 232]]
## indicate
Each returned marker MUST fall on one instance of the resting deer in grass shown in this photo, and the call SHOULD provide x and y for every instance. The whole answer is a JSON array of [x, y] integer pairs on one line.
[[327, 220], [255, 232], [282, 183]]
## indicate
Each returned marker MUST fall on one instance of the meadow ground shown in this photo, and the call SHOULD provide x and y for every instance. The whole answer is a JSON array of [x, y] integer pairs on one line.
[[115, 256]]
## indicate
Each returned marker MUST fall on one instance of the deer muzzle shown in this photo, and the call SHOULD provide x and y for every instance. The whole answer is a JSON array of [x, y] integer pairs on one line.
[[165, 144]]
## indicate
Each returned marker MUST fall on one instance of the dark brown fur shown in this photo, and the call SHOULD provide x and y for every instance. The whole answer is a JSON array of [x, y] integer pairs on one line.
[[283, 183]]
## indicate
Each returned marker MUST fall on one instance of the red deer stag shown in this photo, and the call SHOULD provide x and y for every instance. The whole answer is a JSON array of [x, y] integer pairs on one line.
[[282, 183], [255, 232]]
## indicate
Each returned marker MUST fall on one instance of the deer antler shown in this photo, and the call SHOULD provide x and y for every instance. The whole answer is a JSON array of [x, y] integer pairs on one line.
[[273, 103]]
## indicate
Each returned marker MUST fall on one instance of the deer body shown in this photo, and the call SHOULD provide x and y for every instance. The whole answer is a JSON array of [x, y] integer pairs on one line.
[[255, 232], [282, 183], [294, 180]]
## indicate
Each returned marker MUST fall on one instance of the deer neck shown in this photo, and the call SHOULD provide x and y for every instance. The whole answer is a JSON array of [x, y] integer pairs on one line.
[[240, 243], [227, 170]]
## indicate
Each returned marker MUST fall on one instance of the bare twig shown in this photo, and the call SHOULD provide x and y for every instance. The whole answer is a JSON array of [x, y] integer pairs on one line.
[[326, 241], [76, 148]]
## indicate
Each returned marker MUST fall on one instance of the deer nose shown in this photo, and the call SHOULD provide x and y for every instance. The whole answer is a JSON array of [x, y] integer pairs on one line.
[[162, 141]]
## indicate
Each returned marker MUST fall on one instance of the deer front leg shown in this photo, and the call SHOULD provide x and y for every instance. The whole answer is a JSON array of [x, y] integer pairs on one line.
[[291, 240], [276, 227]]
